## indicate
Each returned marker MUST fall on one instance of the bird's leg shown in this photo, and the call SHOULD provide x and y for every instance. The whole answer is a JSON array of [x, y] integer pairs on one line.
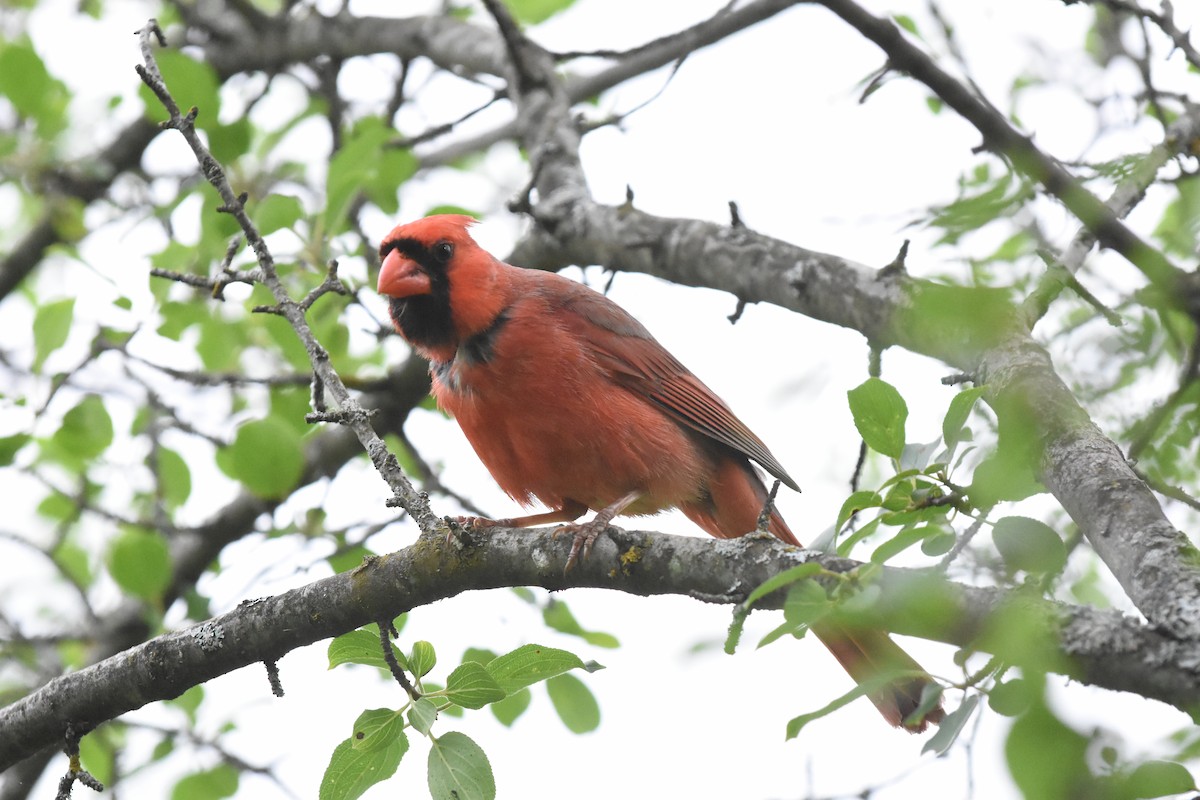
[[586, 532], [570, 512]]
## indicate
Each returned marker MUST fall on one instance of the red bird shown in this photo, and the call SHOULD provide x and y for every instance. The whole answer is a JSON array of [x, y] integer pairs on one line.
[[566, 398]]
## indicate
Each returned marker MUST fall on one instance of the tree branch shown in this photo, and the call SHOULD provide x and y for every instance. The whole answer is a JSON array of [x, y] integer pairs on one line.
[[1105, 648]]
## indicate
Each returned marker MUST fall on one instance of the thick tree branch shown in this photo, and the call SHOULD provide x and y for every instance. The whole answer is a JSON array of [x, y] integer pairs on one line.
[[1103, 648]]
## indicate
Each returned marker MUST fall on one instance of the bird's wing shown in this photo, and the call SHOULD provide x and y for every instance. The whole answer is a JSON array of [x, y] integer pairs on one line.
[[638, 362]]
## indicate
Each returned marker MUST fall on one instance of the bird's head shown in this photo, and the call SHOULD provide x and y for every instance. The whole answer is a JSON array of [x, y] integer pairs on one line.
[[441, 286]]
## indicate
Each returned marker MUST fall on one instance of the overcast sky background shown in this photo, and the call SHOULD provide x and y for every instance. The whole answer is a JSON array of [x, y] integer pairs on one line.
[[769, 118]]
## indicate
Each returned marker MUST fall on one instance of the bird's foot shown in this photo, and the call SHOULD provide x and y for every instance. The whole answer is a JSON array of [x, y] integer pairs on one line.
[[584, 534], [479, 523], [470, 525]]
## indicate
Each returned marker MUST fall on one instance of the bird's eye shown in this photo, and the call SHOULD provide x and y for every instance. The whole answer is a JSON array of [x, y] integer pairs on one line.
[[442, 251]]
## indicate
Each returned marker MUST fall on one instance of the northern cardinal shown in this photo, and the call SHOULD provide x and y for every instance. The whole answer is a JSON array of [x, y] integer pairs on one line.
[[566, 398]]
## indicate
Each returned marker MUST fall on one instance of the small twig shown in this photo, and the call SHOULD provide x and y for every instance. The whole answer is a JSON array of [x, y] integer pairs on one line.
[[403, 492], [764, 516], [1167, 490], [386, 632], [897, 266], [75, 771], [215, 286], [1150, 426], [408, 142], [332, 284], [856, 476], [273, 677], [1057, 273], [737, 312], [963, 540]]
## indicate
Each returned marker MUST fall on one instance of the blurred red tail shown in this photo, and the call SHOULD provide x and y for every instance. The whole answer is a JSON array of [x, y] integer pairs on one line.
[[736, 496]]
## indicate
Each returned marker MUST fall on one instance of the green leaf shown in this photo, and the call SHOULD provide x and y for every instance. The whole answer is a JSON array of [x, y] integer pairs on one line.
[[531, 12], [51, 325], [362, 647], [879, 414], [847, 545], [189, 702], [938, 544], [950, 727], [350, 558], [191, 82], [1011, 697], [210, 784], [377, 728], [796, 724], [97, 757], [351, 167], [508, 710], [906, 22], [423, 658], [174, 477], [574, 702], [903, 540], [558, 616], [1159, 779], [85, 433], [266, 456], [229, 142], [806, 603], [422, 715], [856, 502], [382, 184], [1030, 545], [789, 576], [459, 769], [351, 772], [74, 561], [220, 344], [958, 413], [529, 664], [278, 211], [1046, 758], [10, 446], [478, 655], [470, 685], [58, 507], [140, 563], [31, 89]]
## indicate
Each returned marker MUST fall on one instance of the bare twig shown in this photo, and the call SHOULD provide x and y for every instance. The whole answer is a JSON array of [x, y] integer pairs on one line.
[[352, 413]]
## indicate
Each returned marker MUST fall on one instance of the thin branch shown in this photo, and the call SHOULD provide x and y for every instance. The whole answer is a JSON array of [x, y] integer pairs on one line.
[[1177, 140], [1003, 139], [351, 412]]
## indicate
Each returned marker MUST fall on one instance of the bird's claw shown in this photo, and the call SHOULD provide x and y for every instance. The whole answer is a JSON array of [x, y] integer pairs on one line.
[[584, 534], [468, 525]]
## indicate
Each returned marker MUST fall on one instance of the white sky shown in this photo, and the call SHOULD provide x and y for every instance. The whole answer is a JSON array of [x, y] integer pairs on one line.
[[770, 119]]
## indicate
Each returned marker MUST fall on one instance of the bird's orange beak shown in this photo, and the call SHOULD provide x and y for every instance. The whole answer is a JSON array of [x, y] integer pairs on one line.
[[402, 277]]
